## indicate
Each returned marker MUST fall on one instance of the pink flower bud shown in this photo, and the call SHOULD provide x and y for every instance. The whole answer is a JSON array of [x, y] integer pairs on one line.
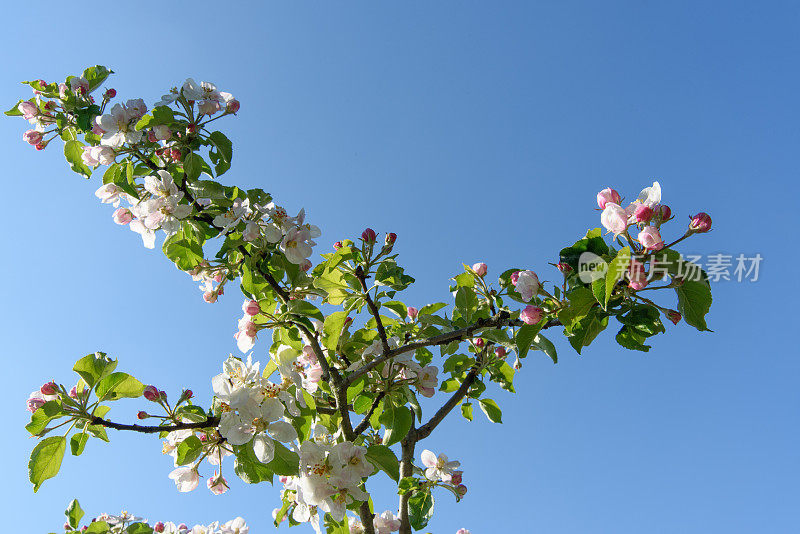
[[391, 237], [74, 392], [66, 526], [28, 110], [456, 478], [650, 238], [162, 394], [531, 314], [208, 107], [142, 415], [175, 154], [210, 297], [515, 277], [183, 526], [151, 393], [461, 489], [32, 137], [187, 394], [479, 342], [41, 146], [368, 235], [643, 213], [49, 389], [337, 245], [347, 322], [248, 327], [701, 223], [251, 307], [232, 106], [34, 403], [159, 527], [122, 216], [501, 352], [62, 90], [564, 267], [109, 94], [664, 213], [151, 136], [480, 269], [191, 128], [607, 195], [637, 276], [412, 312], [674, 316]]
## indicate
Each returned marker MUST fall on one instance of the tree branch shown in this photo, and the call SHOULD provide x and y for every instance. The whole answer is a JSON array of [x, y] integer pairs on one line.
[[362, 426], [373, 308], [210, 422], [425, 430]]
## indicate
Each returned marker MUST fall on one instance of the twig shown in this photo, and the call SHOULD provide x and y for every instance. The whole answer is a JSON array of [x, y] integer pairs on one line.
[[210, 422]]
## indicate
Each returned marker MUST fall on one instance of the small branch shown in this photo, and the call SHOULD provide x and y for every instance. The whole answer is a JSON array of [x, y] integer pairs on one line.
[[425, 430], [373, 308], [362, 426], [406, 470], [210, 422], [366, 518]]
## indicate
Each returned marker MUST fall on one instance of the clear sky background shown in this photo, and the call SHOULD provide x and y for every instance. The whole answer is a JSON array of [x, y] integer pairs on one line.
[[476, 131]]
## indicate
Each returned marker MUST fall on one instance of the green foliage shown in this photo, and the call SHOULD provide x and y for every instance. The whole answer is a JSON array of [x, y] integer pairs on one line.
[[46, 460], [420, 509], [384, 459], [117, 386]]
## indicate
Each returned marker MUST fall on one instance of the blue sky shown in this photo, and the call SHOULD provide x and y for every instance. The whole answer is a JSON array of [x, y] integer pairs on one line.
[[476, 132]]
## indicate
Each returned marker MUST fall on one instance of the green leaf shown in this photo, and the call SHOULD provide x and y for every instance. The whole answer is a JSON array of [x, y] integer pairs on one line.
[[581, 301], [193, 166], [361, 404], [466, 302], [545, 345], [74, 513], [119, 385], [616, 270], [139, 528], [334, 284], [630, 339], [599, 291], [183, 249], [97, 527], [397, 420], [694, 302], [247, 466], [285, 461], [96, 76], [593, 242], [524, 338], [430, 309], [73, 150], [587, 329], [77, 443], [451, 384], [492, 410], [46, 460], [93, 367], [466, 411], [305, 309], [384, 459], [420, 509], [503, 374], [397, 307], [222, 154], [14, 111], [43, 415], [332, 329], [189, 450]]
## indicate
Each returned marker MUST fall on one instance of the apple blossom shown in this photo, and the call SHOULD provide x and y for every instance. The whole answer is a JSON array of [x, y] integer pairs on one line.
[[123, 216], [664, 213], [480, 269], [607, 195], [674, 316], [531, 314], [412, 312], [368, 235], [636, 275], [186, 478], [32, 137], [614, 218], [463, 531], [251, 307], [217, 484], [28, 109], [500, 352], [438, 468], [151, 393], [650, 238], [50, 388], [527, 284], [643, 213], [427, 380], [701, 223]]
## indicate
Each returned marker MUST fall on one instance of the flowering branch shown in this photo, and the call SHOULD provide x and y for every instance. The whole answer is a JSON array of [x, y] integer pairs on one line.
[[210, 422]]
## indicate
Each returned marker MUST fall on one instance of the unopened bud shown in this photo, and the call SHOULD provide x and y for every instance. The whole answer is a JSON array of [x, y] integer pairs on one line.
[[109, 94], [142, 415], [480, 269], [369, 235], [251, 307], [49, 389], [674, 316], [607, 195], [701, 223], [32, 137], [391, 237], [151, 136], [531, 314], [643, 213], [412, 312], [151, 393], [232, 106], [191, 128], [456, 477], [501, 352], [564, 267], [461, 489], [210, 297], [664, 212], [159, 527], [186, 395], [337, 245], [480, 343], [347, 322]]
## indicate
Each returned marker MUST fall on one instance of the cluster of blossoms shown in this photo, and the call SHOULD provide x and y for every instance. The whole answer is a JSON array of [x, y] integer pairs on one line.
[[329, 479], [440, 469], [647, 213], [119, 524], [118, 127], [402, 366], [208, 276], [208, 98], [383, 524], [293, 235]]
